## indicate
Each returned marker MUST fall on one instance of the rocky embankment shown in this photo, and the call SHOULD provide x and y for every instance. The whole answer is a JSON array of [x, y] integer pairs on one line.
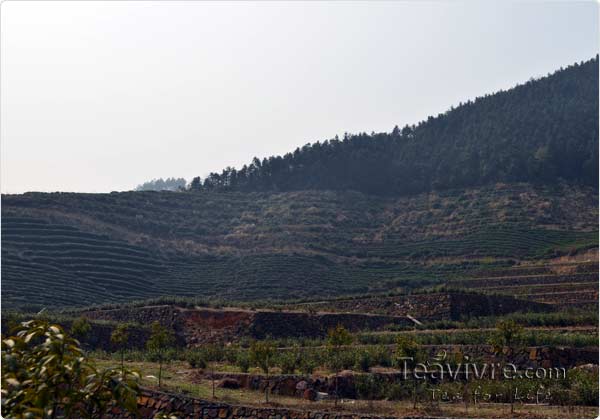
[[433, 306], [154, 404], [204, 325]]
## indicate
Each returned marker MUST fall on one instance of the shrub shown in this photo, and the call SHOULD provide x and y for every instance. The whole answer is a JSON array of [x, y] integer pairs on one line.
[[364, 361], [307, 364], [508, 333], [382, 356], [80, 328], [370, 387], [196, 360], [288, 361], [584, 386], [213, 352], [243, 362]]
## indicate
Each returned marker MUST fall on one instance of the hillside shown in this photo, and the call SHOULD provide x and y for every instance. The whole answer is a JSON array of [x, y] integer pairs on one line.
[[80, 249], [538, 132], [436, 203]]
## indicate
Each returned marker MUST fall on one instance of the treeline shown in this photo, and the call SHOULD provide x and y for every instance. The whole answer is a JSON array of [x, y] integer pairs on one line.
[[538, 132], [169, 184]]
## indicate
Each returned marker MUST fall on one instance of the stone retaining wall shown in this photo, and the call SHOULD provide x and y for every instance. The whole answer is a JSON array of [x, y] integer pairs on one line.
[[152, 403], [204, 325], [300, 324], [434, 306]]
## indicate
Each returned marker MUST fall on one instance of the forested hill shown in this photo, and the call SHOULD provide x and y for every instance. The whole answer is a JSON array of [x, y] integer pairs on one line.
[[539, 132], [376, 230]]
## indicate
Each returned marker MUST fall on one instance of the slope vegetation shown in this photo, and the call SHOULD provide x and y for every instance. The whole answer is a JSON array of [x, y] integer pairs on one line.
[[70, 249]]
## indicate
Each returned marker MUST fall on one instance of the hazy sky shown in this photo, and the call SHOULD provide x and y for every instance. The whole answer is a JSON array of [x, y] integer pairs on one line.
[[99, 96]]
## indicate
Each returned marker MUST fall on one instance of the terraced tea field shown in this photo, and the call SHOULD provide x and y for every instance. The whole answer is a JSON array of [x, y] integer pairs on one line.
[[564, 285], [81, 249], [59, 261]]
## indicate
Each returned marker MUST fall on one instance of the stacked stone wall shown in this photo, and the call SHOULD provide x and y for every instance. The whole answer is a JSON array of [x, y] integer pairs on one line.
[[153, 403]]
